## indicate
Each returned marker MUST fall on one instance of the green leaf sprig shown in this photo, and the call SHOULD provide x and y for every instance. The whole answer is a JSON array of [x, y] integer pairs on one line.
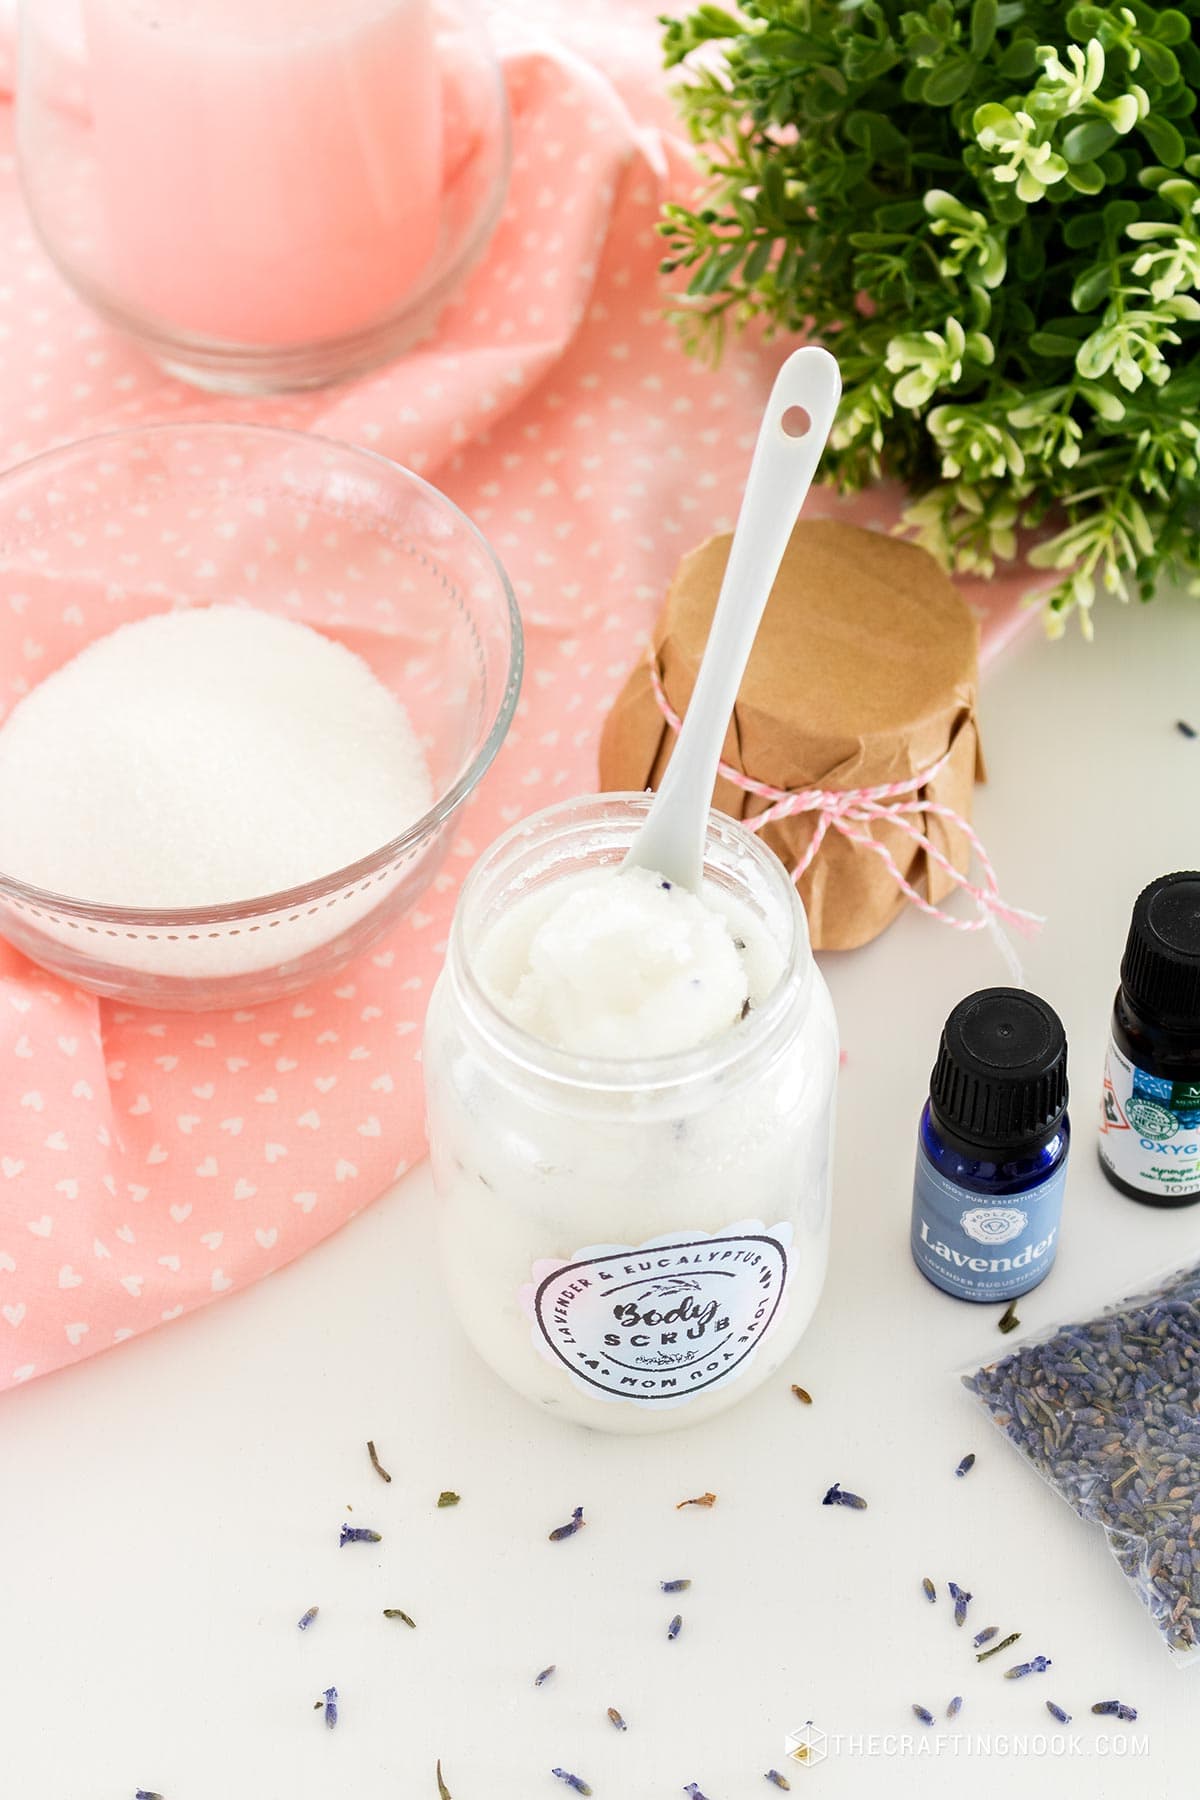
[[990, 211]]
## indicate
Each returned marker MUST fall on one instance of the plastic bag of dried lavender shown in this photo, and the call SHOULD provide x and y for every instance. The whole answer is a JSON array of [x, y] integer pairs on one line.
[[1108, 1412]]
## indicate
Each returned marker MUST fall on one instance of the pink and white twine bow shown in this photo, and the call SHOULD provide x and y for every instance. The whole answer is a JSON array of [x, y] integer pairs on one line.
[[846, 809]]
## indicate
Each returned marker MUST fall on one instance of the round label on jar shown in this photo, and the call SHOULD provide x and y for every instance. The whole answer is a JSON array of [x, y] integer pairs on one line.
[[660, 1322]]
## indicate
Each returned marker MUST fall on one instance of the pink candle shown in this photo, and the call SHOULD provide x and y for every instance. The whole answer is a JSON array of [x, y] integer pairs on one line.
[[270, 171]]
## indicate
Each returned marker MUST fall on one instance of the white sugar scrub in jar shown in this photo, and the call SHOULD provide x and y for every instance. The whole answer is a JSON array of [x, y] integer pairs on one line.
[[630, 1091], [204, 757]]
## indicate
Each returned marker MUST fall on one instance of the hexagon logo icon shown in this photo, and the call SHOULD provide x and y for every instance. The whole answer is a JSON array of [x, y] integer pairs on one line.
[[808, 1745]]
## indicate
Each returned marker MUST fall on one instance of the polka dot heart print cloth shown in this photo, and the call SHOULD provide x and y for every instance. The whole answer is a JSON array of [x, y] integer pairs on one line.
[[150, 1163]]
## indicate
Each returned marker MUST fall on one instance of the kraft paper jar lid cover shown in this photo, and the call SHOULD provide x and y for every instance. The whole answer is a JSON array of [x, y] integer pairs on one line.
[[864, 672]]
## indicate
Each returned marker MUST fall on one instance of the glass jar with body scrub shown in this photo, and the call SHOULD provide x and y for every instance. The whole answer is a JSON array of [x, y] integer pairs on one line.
[[631, 1095]]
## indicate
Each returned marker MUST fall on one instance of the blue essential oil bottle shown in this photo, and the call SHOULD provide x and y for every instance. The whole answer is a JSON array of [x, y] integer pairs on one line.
[[992, 1148]]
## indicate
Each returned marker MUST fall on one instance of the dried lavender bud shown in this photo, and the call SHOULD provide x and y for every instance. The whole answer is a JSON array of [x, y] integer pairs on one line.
[[331, 1707], [1117, 1709], [443, 1790], [447, 1498], [986, 1635], [393, 1612], [375, 1462], [675, 1587], [745, 1012], [145, 1794], [693, 1789], [839, 1496], [955, 1707], [565, 1531], [358, 1534], [700, 1500], [803, 1395], [572, 1781], [961, 1600], [930, 1590], [1184, 729], [306, 1619], [967, 1464], [1056, 1712], [1038, 1666], [780, 1781], [675, 1627], [1009, 1320], [544, 1674], [617, 1720], [923, 1713], [1106, 1412], [995, 1650]]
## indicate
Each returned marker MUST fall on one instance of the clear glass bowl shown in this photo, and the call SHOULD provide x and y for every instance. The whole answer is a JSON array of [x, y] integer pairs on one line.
[[266, 195], [136, 522]]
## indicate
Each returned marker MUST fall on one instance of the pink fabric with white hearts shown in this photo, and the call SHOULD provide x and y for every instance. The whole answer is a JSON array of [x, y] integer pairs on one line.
[[150, 1163]]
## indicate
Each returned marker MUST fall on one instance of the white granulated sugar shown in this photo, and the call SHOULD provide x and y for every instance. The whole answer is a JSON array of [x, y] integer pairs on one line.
[[204, 756]]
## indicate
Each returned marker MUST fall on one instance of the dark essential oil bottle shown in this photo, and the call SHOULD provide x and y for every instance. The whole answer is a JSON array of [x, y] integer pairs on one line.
[[992, 1148], [1150, 1106]]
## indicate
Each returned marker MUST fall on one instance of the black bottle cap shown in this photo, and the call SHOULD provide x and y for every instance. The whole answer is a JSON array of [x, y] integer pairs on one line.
[[1000, 1080], [1160, 970]]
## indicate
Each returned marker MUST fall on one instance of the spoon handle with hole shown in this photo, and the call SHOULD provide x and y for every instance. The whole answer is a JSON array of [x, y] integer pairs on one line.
[[671, 841]]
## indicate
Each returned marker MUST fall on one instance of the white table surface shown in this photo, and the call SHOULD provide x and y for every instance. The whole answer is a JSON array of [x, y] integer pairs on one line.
[[169, 1509]]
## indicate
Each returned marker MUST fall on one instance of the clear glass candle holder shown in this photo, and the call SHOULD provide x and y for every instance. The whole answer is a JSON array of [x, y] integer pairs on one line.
[[631, 1245], [266, 194]]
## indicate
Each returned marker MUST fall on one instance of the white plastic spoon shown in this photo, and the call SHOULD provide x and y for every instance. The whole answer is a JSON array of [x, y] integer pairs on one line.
[[795, 427]]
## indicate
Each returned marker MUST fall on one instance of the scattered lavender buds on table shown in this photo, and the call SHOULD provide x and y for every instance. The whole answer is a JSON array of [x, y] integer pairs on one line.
[[699, 1500], [331, 1707], [693, 1788], [675, 1627], [358, 1534], [393, 1612], [923, 1713], [565, 1531], [544, 1674], [995, 1650], [967, 1464], [955, 1707], [803, 1395], [986, 1635], [443, 1790], [573, 1781], [617, 1720], [1037, 1666], [1184, 729], [448, 1497], [375, 1462], [1117, 1709], [1056, 1712], [840, 1496], [1009, 1320], [930, 1590], [675, 1587], [306, 1619], [145, 1794], [779, 1781], [961, 1600]]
